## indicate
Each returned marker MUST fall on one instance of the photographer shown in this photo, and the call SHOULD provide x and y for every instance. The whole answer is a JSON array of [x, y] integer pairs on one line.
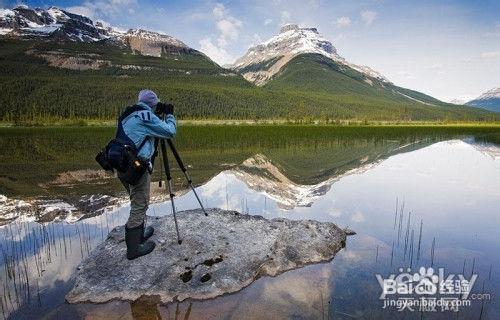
[[142, 127]]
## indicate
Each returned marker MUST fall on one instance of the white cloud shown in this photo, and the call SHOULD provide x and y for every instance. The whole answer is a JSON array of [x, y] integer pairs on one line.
[[343, 22], [368, 17], [219, 11], [339, 38], [196, 16], [491, 54], [82, 10], [334, 212], [228, 30], [285, 16], [435, 66], [215, 52], [268, 21], [102, 9], [313, 4], [358, 217]]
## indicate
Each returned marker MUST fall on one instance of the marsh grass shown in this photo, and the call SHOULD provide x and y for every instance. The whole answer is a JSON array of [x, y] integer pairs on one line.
[[28, 249]]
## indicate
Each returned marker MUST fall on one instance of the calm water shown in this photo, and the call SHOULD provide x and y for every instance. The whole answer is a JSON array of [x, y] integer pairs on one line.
[[450, 186]]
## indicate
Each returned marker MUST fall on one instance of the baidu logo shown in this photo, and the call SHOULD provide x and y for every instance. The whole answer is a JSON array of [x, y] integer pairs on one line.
[[425, 290]]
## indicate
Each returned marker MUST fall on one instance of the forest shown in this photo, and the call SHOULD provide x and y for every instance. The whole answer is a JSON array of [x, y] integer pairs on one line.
[[37, 90]]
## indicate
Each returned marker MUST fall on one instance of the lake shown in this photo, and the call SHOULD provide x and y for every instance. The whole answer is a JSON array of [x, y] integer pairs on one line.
[[416, 196]]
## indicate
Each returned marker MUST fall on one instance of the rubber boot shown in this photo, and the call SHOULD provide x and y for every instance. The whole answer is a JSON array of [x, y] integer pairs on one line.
[[135, 248], [146, 232]]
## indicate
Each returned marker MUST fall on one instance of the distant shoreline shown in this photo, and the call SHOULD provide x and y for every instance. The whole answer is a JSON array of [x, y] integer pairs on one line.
[[249, 122]]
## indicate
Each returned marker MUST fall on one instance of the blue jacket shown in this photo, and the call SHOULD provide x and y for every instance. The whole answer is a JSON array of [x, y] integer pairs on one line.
[[144, 124]]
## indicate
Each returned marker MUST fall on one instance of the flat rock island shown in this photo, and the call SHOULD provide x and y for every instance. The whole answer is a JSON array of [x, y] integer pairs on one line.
[[219, 254]]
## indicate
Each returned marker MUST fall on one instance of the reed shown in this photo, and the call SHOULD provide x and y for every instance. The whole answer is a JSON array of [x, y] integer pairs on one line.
[[481, 312], [420, 239], [411, 247], [407, 235], [31, 247], [433, 247], [401, 214], [392, 252], [396, 213], [473, 266]]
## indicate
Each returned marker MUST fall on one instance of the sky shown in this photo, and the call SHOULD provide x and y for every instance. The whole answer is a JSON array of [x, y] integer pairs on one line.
[[449, 49]]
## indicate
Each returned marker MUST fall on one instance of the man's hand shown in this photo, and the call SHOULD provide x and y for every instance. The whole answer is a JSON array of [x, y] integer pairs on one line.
[[164, 109]]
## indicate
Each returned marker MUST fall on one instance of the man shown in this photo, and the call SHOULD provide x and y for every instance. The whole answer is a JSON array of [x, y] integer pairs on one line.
[[142, 127]]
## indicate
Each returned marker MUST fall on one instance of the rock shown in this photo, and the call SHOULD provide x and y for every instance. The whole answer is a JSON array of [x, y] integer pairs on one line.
[[154, 44], [349, 232], [219, 254]]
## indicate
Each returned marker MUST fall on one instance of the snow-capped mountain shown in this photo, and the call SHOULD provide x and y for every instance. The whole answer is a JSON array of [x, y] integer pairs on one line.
[[264, 60], [60, 25], [52, 23], [490, 94], [489, 100], [261, 175]]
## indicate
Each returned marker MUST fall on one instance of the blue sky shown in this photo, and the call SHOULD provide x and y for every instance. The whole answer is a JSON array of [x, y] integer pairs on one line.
[[448, 49]]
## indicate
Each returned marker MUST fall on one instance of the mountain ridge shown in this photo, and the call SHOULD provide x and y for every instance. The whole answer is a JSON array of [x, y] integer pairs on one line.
[[489, 100], [290, 42], [269, 63], [61, 25]]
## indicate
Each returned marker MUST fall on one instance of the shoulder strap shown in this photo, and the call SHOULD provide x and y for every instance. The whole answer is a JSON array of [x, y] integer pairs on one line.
[[142, 144], [120, 134], [129, 110]]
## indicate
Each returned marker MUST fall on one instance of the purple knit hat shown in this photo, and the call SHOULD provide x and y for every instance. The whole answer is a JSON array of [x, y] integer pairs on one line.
[[148, 97]]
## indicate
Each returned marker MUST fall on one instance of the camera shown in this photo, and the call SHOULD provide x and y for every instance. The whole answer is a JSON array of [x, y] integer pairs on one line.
[[164, 108]]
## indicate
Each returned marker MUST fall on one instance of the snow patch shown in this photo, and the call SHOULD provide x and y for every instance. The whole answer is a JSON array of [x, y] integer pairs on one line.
[[57, 14], [6, 13], [490, 94], [4, 31], [414, 99]]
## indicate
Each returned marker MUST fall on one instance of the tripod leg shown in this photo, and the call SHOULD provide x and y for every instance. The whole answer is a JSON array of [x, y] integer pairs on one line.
[[154, 158], [161, 175], [184, 170], [170, 188]]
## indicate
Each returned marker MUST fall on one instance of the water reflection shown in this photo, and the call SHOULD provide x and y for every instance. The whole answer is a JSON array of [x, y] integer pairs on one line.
[[436, 205]]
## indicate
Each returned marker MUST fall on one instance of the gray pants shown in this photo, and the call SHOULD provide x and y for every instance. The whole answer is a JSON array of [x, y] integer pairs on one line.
[[139, 199]]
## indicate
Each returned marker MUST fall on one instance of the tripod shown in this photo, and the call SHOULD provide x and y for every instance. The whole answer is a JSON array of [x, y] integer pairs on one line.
[[166, 166]]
